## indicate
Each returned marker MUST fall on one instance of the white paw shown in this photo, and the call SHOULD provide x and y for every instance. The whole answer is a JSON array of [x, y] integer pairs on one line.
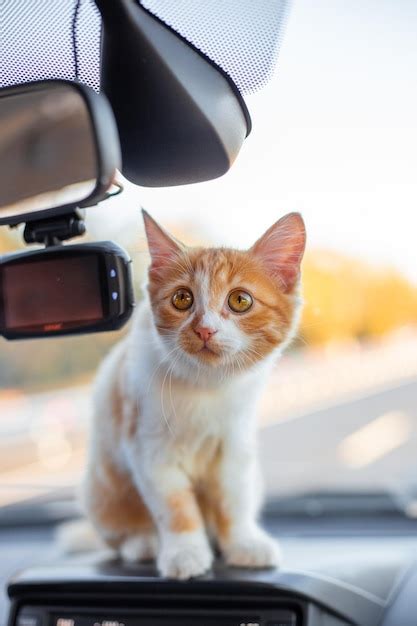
[[139, 548], [185, 561], [255, 549]]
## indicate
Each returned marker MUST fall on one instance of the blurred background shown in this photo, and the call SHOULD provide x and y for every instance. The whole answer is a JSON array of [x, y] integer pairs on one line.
[[335, 137]]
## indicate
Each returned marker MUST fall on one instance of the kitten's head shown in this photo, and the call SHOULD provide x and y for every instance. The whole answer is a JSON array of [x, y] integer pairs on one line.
[[221, 307]]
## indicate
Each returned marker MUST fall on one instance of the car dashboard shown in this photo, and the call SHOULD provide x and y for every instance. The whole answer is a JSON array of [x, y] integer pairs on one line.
[[327, 579]]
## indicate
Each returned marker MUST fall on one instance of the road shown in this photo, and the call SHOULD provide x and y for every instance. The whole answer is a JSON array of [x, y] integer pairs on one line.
[[370, 442], [355, 442]]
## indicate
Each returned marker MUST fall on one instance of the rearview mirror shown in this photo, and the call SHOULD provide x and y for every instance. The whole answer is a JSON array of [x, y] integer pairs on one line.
[[59, 149]]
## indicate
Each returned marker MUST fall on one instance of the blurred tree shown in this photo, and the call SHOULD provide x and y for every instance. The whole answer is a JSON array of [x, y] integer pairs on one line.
[[347, 299], [391, 302]]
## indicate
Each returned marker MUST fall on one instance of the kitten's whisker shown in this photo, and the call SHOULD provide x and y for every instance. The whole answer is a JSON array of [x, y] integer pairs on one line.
[[303, 340], [175, 361], [164, 359], [171, 432], [238, 362], [252, 350]]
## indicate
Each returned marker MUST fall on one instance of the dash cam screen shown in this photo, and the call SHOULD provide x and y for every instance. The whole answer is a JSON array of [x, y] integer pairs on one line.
[[51, 294]]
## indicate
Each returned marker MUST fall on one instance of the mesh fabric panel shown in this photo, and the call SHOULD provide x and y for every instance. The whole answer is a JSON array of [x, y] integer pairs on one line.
[[241, 36], [36, 41], [49, 38]]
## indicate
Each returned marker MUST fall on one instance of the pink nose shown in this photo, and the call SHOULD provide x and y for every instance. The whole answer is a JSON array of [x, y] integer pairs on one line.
[[204, 333]]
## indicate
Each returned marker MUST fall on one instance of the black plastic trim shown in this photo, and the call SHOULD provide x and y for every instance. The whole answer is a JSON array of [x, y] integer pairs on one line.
[[180, 118], [210, 61]]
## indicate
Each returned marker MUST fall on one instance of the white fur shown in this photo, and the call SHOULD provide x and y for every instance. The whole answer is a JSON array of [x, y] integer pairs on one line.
[[184, 555], [142, 547], [186, 410], [78, 536]]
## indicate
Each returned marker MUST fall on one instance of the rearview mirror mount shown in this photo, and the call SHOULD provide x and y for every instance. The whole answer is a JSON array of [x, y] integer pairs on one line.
[[181, 119]]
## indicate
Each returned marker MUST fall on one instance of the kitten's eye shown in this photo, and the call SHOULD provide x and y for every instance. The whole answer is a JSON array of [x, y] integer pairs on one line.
[[240, 301], [182, 299]]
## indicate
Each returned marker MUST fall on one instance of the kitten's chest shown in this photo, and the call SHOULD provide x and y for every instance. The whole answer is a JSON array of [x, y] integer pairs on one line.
[[194, 417], [192, 425], [197, 413]]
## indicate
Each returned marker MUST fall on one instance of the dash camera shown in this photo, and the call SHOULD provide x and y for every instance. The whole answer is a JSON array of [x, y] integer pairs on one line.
[[65, 290]]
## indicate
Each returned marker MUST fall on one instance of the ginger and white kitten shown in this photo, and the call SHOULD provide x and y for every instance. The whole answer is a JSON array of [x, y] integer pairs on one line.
[[173, 449]]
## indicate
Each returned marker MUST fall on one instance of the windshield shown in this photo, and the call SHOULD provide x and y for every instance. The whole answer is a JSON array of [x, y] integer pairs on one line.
[[334, 137]]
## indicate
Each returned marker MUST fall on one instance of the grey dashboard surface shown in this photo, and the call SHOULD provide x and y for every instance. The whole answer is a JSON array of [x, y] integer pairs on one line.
[[355, 575]]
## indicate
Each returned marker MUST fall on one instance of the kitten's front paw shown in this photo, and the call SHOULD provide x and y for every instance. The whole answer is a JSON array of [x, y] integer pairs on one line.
[[139, 548], [185, 561], [255, 549]]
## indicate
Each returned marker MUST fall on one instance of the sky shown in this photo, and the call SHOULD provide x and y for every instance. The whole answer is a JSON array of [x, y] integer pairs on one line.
[[334, 136]]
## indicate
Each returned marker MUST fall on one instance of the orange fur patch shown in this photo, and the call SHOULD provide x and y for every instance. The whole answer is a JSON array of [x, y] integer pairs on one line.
[[185, 514], [115, 505], [125, 415], [212, 509], [117, 406], [210, 499]]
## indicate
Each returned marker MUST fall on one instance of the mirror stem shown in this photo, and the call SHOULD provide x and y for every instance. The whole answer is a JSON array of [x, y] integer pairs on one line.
[[54, 230]]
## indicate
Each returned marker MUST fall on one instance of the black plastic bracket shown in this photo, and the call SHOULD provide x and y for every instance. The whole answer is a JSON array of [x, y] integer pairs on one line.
[[54, 230]]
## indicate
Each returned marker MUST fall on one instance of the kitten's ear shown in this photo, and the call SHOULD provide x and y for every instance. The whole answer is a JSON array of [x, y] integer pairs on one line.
[[162, 246], [281, 249]]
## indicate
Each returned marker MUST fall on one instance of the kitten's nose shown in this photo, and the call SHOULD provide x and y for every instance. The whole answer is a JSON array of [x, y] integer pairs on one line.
[[204, 332]]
